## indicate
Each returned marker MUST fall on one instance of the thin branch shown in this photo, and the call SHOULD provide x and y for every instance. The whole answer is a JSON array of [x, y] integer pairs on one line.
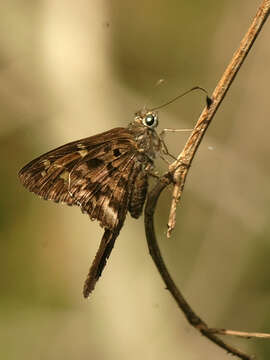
[[186, 157], [178, 172], [154, 250], [242, 334]]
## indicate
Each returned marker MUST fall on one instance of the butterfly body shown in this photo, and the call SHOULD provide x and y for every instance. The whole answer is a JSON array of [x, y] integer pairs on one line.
[[106, 175]]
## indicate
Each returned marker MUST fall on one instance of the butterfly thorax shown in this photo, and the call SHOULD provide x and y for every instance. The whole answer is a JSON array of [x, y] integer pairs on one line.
[[143, 129]]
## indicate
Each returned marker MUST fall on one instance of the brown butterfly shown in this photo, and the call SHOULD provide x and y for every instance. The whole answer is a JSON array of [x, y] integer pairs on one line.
[[106, 175]]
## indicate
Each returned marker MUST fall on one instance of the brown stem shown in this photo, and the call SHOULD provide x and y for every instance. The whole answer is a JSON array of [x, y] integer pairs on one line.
[[187, 155], [154, 250], [178, 172], [242, 334]]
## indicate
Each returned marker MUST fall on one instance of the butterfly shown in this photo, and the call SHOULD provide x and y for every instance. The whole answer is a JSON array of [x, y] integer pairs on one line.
[[106, 175]]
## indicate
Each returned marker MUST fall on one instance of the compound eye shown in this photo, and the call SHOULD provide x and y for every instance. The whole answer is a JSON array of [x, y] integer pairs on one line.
[[150, 120]]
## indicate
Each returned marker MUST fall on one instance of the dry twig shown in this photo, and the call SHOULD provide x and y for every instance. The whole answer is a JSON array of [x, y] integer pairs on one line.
[[177, 175], [242, 334]]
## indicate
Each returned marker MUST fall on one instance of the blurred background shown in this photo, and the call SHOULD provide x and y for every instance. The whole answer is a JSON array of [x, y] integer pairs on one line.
[[69, 70]]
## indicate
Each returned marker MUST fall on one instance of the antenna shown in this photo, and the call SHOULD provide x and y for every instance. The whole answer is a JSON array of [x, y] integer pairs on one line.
[[208, 99]]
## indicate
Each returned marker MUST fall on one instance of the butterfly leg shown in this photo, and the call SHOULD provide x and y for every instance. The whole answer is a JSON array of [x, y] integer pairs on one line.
[[164, 131], [164, 148], [165, 151]]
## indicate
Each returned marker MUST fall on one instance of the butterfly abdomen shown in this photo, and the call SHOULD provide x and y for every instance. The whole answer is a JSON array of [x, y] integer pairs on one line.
[[138, 195]]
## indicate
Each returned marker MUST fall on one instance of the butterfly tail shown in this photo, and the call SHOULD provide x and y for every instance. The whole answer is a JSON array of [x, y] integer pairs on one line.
[[102, 255]]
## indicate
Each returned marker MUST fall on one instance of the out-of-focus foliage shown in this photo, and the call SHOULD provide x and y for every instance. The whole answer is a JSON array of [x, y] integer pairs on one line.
[[73, 69]]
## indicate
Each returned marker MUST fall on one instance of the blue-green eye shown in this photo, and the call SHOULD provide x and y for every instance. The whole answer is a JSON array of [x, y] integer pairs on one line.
[[150, 120]]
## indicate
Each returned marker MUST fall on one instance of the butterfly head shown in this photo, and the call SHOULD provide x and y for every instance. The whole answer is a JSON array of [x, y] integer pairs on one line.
[[147, 119]]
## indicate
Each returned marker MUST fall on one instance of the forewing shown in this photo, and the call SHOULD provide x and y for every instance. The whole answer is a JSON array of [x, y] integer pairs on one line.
[[93, 173]]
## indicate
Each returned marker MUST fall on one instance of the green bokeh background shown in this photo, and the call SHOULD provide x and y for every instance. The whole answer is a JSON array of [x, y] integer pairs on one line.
[[72, 69]]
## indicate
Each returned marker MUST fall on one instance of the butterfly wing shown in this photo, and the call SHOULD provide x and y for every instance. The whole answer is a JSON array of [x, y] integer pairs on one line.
[[97, 174], [88, 173], [98, 264], [110, 207]]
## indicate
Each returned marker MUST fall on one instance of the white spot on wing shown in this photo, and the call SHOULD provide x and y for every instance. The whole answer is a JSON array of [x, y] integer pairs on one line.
[[65, 176], [46, 163], [81, 146], [111, 214], [83, 153]]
